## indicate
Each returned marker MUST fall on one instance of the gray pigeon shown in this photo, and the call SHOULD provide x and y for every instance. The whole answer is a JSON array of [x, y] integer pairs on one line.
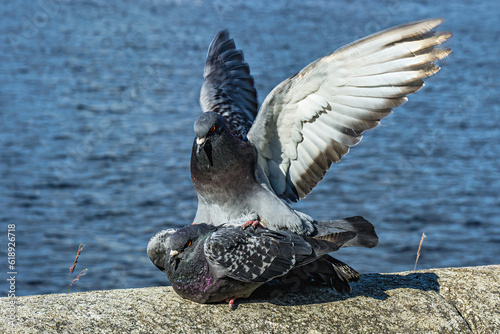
[[208, 263], [249, 166]]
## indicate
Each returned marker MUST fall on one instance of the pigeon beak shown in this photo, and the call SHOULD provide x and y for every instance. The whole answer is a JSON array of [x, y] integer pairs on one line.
[[200, 142], [173, 257], [173, 254]]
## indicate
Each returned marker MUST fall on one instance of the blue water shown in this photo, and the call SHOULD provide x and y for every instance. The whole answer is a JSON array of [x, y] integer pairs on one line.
[[97, 101]]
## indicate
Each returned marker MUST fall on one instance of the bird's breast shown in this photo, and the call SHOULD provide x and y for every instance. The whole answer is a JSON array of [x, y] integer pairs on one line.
[[228, 172]]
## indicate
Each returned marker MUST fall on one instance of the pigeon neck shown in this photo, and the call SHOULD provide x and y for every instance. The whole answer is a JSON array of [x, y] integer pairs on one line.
[[192, 279]]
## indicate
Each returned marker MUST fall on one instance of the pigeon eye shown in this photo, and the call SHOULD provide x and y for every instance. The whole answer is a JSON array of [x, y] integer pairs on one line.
[[212, 129], [188, 243]]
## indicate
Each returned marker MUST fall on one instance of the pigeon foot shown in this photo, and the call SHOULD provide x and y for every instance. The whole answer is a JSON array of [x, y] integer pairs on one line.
[[253, 223], [231, 302]]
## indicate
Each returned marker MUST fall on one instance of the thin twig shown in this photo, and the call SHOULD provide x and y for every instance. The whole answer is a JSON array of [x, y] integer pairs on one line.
[[82, 273], [72, 268], [419, 248]]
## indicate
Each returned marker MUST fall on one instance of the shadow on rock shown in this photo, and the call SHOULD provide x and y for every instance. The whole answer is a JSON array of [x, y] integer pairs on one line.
[[293, 291]]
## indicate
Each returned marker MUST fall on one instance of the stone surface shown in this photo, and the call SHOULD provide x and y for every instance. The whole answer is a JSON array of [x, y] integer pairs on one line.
[[454, 300]]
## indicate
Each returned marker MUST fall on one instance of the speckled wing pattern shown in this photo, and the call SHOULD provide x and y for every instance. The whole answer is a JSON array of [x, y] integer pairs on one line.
[[312, 119], [229, 88], [254, 256]]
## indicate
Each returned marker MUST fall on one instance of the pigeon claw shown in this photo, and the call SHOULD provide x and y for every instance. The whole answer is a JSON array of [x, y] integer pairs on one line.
[[253, 223]]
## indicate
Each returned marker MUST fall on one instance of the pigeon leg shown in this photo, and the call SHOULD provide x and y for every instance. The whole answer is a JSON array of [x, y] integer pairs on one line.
[[253, 223], [231, 302]]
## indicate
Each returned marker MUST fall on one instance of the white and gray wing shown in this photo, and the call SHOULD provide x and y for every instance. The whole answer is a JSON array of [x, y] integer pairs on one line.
[[229, 88], [158, 246], [311, 119]]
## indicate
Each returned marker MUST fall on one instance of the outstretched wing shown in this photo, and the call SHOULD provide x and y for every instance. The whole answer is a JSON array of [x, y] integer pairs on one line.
[[229, 88], [311, 119]]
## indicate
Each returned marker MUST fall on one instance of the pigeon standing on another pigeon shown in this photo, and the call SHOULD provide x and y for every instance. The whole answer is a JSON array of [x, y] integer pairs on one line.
[[208, 263], [247, 166]]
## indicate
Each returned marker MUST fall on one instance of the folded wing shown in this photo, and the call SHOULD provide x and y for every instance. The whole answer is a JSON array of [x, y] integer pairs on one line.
[[262, 255], [252, 256]]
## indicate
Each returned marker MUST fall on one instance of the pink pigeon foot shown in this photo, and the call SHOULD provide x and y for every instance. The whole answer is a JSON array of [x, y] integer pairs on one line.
[[253, 223]]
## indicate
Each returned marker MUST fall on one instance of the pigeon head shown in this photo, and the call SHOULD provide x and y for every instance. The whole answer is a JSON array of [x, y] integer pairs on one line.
[[207, 127], [157, 247], [184, 242]]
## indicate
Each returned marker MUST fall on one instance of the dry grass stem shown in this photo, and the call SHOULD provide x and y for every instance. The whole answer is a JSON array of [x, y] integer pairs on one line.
[[72, 268], [418, 251]]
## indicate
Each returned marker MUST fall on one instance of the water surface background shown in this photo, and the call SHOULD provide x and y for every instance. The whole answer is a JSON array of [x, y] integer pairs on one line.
[[98, 98]]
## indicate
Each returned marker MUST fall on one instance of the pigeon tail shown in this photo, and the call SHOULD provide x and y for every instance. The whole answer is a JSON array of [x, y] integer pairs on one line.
[[327, 269], [332, 230]]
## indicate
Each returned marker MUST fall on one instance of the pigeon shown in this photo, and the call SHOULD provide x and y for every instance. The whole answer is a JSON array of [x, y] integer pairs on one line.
[[209, 263], [250, 166]]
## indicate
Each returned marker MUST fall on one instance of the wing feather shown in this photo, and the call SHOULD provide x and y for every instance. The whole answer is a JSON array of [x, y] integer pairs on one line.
[[405, 50], [364, 102], [375, 92], [229, 88], [311, 119], [253, 256]]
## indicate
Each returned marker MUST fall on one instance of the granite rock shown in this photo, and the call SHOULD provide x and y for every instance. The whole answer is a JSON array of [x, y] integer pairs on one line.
[[451, 300]]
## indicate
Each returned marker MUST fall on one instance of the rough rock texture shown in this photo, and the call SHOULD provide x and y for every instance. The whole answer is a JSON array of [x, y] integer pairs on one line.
[[455, 300]]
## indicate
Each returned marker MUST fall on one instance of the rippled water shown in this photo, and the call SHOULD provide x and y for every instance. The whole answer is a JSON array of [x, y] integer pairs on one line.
[[97, 102]]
